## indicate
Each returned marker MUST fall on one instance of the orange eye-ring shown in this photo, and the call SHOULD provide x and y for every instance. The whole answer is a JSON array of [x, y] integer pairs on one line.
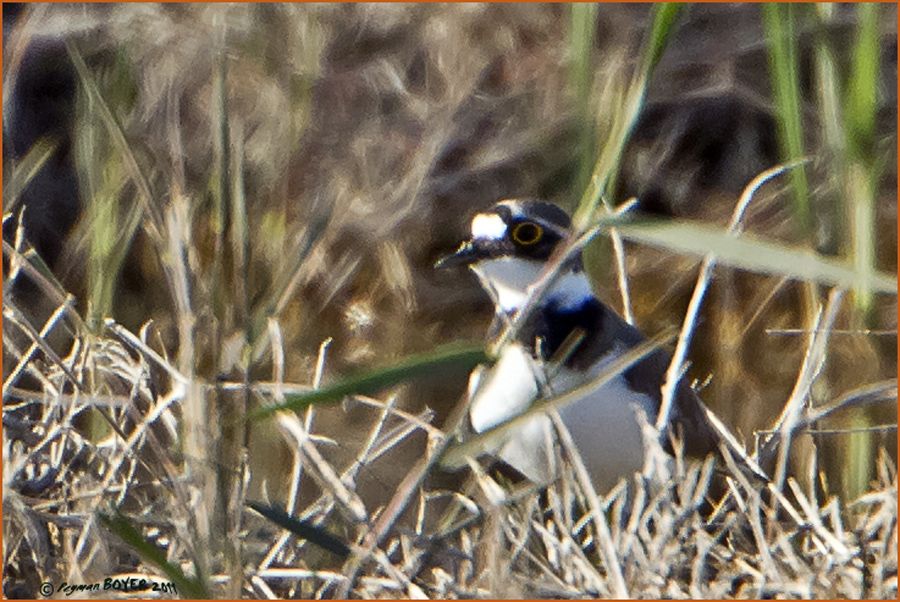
[[527, 233]]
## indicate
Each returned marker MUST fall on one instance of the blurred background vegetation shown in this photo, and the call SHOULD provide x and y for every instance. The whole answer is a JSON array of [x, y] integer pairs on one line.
[[239, 175]]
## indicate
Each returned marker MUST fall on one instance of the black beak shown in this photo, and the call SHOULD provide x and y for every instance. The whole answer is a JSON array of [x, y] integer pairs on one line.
[[464, 255]]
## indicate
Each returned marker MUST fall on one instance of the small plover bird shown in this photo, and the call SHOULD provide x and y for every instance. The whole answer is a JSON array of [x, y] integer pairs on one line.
[[509, 248]]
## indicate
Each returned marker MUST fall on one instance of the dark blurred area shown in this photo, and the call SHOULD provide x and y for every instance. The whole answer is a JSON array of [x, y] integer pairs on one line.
[[41, 106], [369, 134]]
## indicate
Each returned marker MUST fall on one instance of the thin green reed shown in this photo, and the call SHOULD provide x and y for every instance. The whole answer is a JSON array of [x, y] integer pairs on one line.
[[779, 21]]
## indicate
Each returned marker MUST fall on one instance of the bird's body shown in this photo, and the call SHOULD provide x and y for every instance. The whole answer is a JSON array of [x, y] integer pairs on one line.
[[569, 338]]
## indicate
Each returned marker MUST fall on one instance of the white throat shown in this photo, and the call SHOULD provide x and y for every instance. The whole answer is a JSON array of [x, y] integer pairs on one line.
[[508, 280]]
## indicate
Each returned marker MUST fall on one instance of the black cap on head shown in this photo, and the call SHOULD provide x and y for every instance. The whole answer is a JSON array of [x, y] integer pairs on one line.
[[534, 209]]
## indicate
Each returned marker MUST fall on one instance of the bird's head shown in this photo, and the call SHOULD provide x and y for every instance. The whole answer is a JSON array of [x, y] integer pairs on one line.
[[509, 246]]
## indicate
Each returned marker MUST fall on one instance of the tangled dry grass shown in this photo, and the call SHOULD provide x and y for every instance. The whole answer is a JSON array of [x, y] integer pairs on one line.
[[655, 539], [248, 181]]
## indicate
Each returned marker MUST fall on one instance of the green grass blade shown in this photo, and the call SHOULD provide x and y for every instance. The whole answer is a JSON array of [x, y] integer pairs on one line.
[[848, 127], [862, 103], [860, 110], [624, 116], [752, 253], [462, 357], [120, 143], [778, 20], [121, 526], [583, 24], [665, 15], [107, 251], [106, 164], [302, 528]]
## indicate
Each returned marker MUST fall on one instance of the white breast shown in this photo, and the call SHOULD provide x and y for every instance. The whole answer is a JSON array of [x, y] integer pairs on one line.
[[505, 391], [502, 393], [603, 423]]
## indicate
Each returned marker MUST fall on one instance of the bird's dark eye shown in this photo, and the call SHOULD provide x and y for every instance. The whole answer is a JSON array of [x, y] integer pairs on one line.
[[527, 233]]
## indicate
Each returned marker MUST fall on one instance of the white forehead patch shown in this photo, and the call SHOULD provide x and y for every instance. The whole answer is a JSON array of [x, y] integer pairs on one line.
[[488, 225]]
